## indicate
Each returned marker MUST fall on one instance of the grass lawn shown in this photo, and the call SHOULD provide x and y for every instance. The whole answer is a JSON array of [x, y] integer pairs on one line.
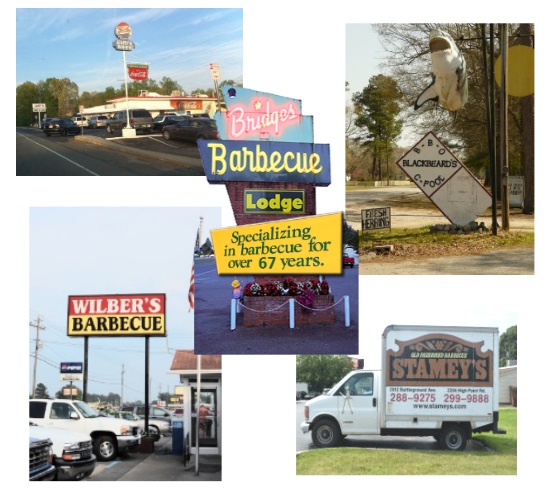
[[417, 243], [499, 458]]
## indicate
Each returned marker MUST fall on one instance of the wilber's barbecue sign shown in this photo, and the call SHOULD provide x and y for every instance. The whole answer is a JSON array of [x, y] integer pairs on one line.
[[117, 315]]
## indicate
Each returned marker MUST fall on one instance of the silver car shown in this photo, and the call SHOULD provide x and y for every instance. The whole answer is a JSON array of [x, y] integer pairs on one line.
[[157, 427], [97, 121]]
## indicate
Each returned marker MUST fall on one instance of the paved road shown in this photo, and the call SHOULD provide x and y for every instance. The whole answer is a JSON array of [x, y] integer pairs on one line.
[[93, 155], [502, 262]]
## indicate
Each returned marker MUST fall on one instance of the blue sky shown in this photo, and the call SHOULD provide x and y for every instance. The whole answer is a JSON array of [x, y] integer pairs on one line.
[[363, 55], [176, 43], [95, 251]]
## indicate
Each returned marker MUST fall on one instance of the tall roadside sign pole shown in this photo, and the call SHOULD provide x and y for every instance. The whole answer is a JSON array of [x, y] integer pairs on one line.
[[215, 74], [39, 107], [123, 43]]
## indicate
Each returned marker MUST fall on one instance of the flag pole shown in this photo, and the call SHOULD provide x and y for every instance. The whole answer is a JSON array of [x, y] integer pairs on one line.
[[197, 407]]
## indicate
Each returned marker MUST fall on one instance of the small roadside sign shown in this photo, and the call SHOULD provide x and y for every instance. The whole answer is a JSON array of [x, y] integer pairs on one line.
[[215, 72], [376, 218], [516, 185], [71, 372]]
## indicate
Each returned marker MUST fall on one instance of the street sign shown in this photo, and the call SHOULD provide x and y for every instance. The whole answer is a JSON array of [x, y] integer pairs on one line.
[[215, 72], [71, 372], [445, 180], [38, 107], [71, 378]]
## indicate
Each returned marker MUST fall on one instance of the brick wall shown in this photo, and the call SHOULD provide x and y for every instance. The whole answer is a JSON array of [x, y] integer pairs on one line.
[[271, 311], [235, 191]]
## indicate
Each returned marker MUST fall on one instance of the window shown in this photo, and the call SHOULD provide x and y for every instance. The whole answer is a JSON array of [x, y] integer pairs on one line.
[[359, 384], [37, 409]]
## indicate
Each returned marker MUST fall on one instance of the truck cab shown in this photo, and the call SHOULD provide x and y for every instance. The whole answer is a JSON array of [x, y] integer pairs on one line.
[[349, 408]]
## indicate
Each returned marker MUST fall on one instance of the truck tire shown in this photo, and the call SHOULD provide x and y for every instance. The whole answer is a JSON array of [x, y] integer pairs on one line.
[[109, 129], [326, 433], [105, 448], [453, 437]]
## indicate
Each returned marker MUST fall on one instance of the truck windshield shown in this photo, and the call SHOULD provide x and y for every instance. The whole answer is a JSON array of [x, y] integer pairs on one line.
[[86, 410]]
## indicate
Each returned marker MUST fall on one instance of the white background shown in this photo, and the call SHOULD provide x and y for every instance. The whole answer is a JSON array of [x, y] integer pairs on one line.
[[295, 49]]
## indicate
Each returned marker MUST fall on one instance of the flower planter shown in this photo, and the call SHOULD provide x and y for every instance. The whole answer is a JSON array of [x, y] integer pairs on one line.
[[272, 311]]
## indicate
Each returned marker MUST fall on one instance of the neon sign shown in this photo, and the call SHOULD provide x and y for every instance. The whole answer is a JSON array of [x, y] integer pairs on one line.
[[265, 161], [257, 116], [265, 117]]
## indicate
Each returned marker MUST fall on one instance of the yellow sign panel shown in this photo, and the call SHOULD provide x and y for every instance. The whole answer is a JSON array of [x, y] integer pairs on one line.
[[305, 245], [521, 70]]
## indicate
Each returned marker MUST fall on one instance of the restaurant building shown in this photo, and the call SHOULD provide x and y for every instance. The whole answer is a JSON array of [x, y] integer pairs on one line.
[[157, 104]]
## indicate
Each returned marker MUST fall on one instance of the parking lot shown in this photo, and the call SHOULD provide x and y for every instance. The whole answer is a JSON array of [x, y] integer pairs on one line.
[[160, 465], [153, 142]]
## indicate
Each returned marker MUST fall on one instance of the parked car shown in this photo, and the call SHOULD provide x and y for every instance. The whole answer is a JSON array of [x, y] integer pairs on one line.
[[157, 416], [45, 121], [41, 466], [157, 428], [72, 452], [97, 121], [161, 121], [63, 127], [81, 121], [140, 120], [192, 129]]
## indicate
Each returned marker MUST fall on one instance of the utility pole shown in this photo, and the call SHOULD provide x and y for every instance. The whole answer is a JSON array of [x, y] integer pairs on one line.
[[122, 387], [36, 347], [504, 169]]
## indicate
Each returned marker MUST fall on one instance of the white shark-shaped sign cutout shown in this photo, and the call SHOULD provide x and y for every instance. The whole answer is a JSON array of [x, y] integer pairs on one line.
[[449, 86]]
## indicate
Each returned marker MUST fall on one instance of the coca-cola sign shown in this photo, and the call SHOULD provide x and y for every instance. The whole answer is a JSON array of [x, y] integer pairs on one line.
[[138, 72]]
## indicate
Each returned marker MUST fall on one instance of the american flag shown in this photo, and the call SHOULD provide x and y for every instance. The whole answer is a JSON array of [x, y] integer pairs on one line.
[[191, 295]]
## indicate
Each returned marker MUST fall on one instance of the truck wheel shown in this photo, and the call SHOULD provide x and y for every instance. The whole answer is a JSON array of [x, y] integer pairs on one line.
[[326, 433], [453, 437], [105, 448], [109, 129]]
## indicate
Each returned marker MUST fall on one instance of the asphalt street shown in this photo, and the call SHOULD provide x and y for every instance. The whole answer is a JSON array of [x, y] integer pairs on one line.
[[501, 262]]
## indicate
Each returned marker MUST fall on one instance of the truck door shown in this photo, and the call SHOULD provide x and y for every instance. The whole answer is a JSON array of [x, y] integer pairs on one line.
[[358, 405]]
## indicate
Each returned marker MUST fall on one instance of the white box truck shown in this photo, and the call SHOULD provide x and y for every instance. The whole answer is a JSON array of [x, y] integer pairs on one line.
[[434, 381]]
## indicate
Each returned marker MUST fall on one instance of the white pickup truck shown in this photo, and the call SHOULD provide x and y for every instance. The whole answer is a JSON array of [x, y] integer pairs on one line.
[[72, 452], [110, 436]]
